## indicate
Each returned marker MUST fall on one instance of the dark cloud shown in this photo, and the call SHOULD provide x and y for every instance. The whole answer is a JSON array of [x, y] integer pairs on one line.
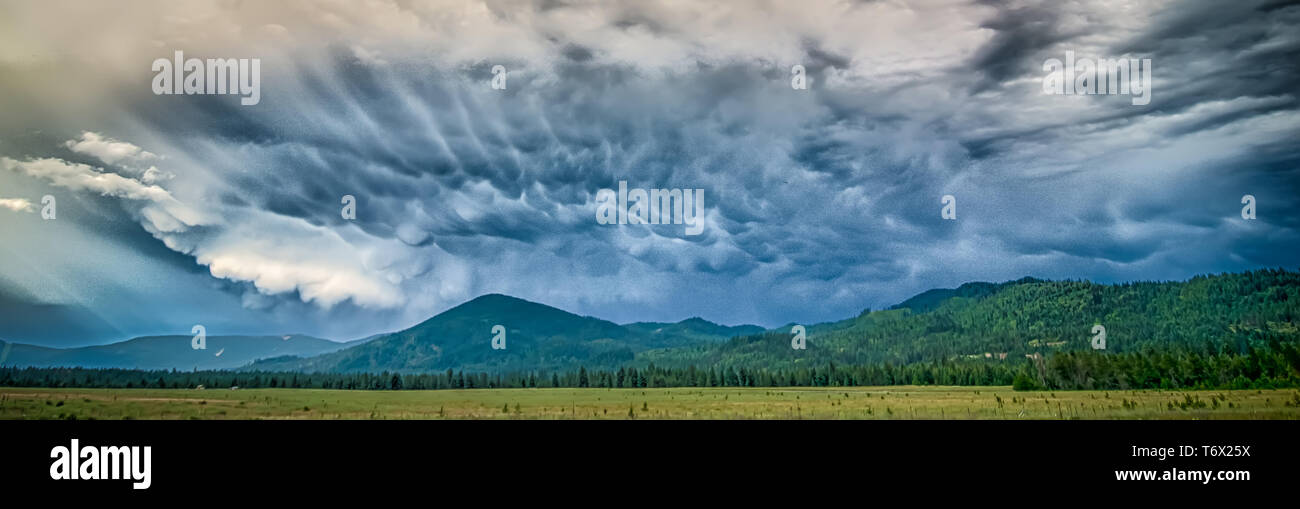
[[819, 202], [1021, 33]]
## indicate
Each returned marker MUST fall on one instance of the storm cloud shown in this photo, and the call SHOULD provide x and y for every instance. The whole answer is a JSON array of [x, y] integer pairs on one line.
[[819, 202]]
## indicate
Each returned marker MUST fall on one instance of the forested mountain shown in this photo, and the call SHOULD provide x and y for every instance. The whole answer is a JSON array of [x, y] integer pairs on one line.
[[1029, 317], [536, 336], [169, 352], [692, 331], [931, 299], [978, 321]]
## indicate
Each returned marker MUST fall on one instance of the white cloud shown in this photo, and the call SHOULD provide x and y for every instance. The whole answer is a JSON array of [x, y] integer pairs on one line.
[[108, 150], [163, 211], [277, 254], [315, 262], [16, 204], [81, 177]]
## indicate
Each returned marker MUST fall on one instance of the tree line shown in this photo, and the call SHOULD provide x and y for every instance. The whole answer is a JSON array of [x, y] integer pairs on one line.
[[1276, 365], [1030, 317]]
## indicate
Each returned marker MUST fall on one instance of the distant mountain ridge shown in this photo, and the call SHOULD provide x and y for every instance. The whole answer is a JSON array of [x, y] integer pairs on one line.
[[169, 352], [695, 328], [932, 299]]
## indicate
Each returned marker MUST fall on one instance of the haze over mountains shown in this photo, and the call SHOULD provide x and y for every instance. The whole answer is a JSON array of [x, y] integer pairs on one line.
[[545, 338], [170, 352], [996, 322]]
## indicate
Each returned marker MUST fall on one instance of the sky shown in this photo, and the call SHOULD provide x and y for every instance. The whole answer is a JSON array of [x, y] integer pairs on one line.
[[177, 210]]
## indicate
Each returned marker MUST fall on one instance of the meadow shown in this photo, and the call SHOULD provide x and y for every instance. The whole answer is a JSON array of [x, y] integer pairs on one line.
[[894, 402]]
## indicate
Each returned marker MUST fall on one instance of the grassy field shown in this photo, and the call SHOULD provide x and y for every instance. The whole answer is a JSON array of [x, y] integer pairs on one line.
[[899, 402]]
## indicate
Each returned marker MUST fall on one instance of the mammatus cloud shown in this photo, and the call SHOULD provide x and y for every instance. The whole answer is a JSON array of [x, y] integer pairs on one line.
[[819, 201]]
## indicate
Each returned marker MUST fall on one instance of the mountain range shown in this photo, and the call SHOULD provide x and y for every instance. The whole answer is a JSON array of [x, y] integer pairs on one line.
[[985, 322], [537, 337]]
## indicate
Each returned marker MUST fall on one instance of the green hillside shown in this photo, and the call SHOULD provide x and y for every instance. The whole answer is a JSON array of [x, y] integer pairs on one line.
[[537, 337], [692, 331], [980, 322], [1029, 317]]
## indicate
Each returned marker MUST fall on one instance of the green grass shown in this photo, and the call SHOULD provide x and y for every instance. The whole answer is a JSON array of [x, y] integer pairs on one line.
[[898, 402]]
